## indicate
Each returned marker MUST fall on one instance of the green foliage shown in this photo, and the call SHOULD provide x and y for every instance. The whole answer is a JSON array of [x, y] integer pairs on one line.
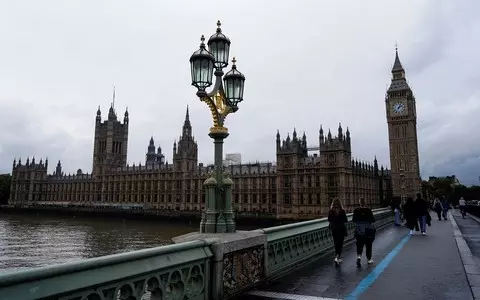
[[5, 182], [451, 188]]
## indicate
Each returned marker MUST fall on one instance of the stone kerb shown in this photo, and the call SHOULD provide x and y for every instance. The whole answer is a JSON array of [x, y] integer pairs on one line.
[[238, 262]]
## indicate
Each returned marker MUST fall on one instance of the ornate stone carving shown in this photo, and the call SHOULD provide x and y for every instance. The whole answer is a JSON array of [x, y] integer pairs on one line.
[[242, 268], [182, 283]]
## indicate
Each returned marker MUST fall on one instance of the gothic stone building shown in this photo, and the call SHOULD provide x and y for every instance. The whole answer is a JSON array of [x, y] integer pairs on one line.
[[298, 185]]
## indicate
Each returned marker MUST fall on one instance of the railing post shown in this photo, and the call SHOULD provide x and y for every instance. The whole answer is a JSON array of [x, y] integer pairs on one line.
[[238, 261]]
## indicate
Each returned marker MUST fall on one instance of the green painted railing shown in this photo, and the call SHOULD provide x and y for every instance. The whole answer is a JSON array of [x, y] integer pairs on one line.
[[194, 270], [292, 245], [179, 271]]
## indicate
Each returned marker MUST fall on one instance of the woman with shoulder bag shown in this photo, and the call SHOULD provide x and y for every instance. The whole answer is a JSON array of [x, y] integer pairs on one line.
[[364, 231], [337, 218]]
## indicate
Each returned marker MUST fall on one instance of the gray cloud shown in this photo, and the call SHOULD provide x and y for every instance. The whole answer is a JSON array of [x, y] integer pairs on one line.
[[306, 65]]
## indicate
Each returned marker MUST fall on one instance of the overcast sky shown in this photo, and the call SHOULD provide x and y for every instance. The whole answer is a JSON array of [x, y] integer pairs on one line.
[[306, 62]]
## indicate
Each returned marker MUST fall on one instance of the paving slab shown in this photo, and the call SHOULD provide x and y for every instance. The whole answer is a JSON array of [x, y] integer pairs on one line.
[[418, 267], [427, 267], [321, 279], [467, 234]]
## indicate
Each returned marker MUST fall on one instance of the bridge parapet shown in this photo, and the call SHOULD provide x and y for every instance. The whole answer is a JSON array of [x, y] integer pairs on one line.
[[199, 266], [180, 271], [292, 245]]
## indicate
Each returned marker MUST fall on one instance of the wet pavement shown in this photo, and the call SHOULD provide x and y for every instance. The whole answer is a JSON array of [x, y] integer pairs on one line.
[[420, 267], [471, 233]]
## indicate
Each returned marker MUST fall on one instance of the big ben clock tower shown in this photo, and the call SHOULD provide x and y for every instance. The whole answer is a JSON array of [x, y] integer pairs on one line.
[[402, 134]]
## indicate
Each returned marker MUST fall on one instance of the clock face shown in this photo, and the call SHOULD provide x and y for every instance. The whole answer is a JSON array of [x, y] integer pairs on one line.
[[398, 108]]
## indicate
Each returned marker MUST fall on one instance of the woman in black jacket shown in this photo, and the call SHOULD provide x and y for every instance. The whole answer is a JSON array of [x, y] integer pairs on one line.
[[364, 231], [410, 213], [337, 218]]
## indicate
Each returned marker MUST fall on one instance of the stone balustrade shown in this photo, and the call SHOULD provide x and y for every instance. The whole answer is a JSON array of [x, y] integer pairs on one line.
[[199, 266], [292, 245]]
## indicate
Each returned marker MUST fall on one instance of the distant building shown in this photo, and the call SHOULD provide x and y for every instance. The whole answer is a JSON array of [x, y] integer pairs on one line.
[[298, 185], [232, 159]]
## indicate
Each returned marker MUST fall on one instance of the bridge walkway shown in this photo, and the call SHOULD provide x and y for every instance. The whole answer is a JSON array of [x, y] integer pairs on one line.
[[406, 267]]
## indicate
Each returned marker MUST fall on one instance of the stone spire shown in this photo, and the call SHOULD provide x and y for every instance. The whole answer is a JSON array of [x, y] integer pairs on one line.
[[397, 65]]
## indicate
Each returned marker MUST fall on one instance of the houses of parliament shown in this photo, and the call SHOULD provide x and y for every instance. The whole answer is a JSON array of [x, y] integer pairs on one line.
[[299, 185]]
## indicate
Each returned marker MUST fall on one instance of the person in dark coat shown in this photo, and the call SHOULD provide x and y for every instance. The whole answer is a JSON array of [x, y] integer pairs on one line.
[[421, 208], [445, 206], [437, 206], [338, 219], [364, 231], [410, 214]]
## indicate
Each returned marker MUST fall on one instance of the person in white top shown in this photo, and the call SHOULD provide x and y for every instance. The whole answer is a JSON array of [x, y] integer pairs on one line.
[[461, 206]]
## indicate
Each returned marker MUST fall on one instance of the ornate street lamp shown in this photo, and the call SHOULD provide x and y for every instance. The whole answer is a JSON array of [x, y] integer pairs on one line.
[[222, 100]]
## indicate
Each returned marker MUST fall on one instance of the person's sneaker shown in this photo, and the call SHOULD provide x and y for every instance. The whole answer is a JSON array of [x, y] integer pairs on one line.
[[411, 232], [336, 260], [359, 261], [339, 260], [370, 261], [423, 233]]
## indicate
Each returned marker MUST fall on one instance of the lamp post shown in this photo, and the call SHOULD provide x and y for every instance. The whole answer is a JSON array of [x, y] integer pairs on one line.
[[222, 100]]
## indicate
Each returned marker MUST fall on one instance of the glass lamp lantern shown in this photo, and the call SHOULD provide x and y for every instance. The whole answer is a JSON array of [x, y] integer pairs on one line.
[[234, 82], [201, 64], [219, 46]]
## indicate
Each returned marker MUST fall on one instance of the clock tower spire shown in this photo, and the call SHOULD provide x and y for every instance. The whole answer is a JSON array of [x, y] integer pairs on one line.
[[402, 134]]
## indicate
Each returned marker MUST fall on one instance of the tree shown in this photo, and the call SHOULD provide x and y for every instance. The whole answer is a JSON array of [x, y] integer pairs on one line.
[[5, 183]]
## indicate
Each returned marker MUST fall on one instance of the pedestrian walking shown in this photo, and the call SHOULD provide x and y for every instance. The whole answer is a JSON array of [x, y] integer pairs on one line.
[[337, 218], [421, 208], [445, 206], [410, 214], [437, 206], [396, 212], [364, 231]]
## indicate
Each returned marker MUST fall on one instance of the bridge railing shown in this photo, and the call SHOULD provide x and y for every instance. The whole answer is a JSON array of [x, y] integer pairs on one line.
[[292, 245], [179, 271], [199, 266]]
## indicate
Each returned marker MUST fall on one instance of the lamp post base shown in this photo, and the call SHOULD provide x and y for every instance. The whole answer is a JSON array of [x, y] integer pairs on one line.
[[218, 215]]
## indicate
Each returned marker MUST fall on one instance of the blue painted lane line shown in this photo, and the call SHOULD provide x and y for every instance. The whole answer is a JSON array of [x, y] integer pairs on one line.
[[375, 273]]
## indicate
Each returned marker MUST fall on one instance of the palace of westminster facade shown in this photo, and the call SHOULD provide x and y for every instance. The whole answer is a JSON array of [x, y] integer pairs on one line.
[[299, 185]]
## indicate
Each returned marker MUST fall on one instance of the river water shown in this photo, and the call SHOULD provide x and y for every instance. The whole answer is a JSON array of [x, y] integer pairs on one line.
[[28, 241]]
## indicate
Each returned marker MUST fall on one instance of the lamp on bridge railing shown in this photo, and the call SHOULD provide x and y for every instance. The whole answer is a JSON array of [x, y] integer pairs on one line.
[[222, 100]]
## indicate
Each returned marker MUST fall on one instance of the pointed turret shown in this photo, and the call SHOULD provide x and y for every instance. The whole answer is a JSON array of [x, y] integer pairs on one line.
[[58, 169], [278, 142], [340, 131], [399, 82], [125, 116], [151, 155], [111, 114], [397, 65], [99, 115], [187, 126]]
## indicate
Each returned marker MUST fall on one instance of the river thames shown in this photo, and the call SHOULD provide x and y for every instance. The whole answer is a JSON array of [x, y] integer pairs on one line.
[[29, 241]]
